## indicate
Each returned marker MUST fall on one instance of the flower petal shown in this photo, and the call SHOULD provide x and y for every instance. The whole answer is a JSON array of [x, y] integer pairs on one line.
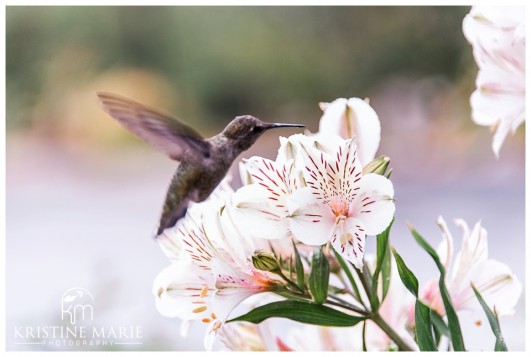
[[333, 176], [353, 118], [271, 175], [500, 288], [181, 293], [312, 222], [256, 216], [374, 206], [446, 247], [367, 128], [474, 249], [349, 241]]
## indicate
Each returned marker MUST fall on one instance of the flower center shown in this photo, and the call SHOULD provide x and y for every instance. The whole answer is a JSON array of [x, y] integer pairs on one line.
[[340, 208]]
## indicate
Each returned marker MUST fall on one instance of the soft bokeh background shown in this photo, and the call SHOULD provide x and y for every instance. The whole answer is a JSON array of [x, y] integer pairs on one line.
[[84, 196]]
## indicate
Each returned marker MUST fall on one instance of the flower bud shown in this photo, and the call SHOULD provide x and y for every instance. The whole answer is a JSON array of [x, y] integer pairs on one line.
[[377, 166], [264, 260]]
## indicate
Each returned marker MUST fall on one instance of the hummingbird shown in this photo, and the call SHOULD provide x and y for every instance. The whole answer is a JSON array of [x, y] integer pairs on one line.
[[203, 163]]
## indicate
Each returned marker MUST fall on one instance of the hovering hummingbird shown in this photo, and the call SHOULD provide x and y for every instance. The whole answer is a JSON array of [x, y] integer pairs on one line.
[[203, 162]]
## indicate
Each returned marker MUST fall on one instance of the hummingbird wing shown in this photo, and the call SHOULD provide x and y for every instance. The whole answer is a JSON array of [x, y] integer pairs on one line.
[[160, 130]]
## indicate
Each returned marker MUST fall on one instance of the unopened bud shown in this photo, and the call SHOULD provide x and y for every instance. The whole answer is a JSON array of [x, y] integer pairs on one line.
[[264, 260], [377, 166]]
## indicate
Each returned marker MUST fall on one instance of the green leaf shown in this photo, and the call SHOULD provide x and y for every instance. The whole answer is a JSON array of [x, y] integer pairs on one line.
[[423, 330], [408, 278], [386, 272], [348, 272], [305, 312], [382, 254], [299, 268], [453, 321], [439, 325], [319, 276], [493, 321]]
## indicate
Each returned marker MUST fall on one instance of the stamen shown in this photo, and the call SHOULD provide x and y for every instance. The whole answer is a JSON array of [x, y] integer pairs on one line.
[[213, 316], [204, 291], [206, 320], [216, 327], [199, 309]]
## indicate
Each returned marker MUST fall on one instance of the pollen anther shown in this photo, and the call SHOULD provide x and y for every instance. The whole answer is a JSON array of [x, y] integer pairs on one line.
[[199, 309]]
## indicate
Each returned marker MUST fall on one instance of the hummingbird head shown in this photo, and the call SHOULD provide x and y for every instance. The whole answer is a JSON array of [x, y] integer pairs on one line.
[[246, 129]]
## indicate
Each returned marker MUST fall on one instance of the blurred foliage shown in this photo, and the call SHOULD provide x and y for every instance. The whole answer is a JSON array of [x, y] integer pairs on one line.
[[212, 63]]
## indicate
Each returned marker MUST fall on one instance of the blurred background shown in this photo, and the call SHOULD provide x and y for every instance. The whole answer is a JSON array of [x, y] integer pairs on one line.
[[84, 196]]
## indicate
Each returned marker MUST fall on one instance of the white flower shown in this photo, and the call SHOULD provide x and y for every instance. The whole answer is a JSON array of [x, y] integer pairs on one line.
[[497, 35], [260, 206], [494, 280], [339, 204], [353, 118], [211, 270]]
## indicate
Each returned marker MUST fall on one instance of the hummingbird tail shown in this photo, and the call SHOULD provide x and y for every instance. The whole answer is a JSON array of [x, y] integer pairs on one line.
[[170, 218]]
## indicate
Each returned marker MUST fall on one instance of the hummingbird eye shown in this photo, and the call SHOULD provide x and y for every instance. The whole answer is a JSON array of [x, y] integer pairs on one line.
[[256, 129]]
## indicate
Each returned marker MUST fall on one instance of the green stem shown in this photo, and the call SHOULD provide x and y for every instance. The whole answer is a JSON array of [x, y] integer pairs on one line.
[[363, 336], [403, 346], [375, 316], [290, 283], [364, 282]]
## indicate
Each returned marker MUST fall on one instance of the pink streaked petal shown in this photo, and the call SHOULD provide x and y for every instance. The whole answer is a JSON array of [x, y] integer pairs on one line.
[[195, 243], [235, 285], [312, 222], [347, 170], [374, 206], [256, 216], [319, 174], [349, 241], [270, 175]]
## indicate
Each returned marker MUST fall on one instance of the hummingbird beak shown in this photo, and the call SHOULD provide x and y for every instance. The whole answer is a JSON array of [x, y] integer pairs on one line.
[[282, 125]]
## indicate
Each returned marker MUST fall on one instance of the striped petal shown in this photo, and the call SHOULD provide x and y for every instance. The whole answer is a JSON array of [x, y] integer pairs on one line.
[[374, 206], [334, 176], [312, 222], [349, 241], [256, 216]]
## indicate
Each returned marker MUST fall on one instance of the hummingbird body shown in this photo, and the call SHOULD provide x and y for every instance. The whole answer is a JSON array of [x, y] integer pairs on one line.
[[203, 162], [195, 179]]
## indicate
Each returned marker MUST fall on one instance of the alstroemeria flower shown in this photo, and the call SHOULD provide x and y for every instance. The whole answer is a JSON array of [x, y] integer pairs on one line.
[[494, 280], [353, 118], [260, 205], [211, 272], [340, 204], [497, 35]]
